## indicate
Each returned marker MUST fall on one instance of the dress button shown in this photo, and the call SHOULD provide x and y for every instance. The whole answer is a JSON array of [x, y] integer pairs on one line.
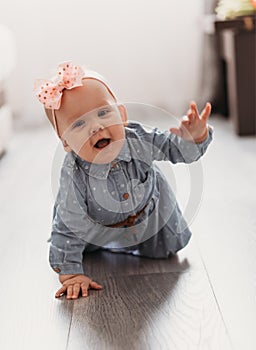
[[114, 164], [126, 195], [56, 269]]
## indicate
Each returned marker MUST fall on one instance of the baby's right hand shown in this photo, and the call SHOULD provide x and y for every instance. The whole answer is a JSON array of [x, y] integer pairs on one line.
[[73, 283]]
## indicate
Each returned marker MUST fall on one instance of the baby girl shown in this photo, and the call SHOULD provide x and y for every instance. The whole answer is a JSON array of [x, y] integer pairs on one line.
[[112, 196]]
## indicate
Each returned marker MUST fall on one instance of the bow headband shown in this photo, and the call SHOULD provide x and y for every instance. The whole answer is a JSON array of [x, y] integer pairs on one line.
[[49, 92]]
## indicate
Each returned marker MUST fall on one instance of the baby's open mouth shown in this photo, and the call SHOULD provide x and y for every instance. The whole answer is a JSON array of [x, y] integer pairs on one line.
[[102, 143]]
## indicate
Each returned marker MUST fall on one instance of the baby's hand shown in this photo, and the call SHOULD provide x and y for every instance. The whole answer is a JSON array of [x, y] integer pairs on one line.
[[72, 284], [194, 126]]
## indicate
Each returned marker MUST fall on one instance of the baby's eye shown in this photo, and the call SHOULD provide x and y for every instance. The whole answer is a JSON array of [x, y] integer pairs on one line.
[[103, 112], [78, 124]]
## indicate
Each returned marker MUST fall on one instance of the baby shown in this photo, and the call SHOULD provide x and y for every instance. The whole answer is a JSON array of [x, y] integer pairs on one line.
[[111, 195]]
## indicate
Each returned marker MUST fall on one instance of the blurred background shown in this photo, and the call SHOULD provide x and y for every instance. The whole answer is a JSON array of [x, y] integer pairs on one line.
[[150, 51]]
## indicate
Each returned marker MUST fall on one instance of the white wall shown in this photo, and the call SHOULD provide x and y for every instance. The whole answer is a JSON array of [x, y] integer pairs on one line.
[[149, 50]]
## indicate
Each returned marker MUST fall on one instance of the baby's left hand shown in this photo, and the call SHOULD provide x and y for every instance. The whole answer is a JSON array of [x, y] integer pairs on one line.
[[194, 126]]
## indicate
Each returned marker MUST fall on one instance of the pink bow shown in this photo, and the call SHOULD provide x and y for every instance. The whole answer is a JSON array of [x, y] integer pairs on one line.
[[49, 92]]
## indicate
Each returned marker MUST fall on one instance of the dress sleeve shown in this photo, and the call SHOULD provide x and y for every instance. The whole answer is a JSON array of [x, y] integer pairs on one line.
[[169, 146], [72, 228], [66, 247]]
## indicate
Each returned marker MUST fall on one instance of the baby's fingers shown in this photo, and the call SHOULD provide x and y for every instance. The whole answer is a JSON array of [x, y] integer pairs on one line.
[[206, 112], [76, 290], [190, 116], [84, 288], [194, 109], [95, 285], [176, 131], [60, 291], [70, 292]]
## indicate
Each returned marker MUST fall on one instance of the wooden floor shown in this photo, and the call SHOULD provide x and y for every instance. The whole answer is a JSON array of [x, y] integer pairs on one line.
[[203, 298]]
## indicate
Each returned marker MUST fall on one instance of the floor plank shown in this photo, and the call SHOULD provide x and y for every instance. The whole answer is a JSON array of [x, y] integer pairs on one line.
[[152, 311]]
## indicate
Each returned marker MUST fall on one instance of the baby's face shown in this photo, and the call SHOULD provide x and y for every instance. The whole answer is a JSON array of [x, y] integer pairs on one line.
[[91, 123]]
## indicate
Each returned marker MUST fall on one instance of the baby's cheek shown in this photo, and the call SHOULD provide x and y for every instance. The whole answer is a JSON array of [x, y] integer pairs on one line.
[[85, 152], [79, 144], [117, 131]]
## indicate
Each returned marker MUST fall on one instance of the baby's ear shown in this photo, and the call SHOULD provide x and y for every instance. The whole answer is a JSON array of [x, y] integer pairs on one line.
[[66, 146], [123, 113]]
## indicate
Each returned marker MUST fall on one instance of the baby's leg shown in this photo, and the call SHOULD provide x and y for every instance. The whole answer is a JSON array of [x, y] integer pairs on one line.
[[154, 247], [92, 248], [126, 250], [163, 244]]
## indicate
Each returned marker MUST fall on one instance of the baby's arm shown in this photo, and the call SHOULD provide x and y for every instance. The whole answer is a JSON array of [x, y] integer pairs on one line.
[[66, 256], [187, 143], [72, 229], [194, 126], [66, 247]]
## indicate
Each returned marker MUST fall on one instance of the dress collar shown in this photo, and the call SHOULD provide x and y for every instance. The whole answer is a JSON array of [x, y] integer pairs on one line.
[[100, 171]]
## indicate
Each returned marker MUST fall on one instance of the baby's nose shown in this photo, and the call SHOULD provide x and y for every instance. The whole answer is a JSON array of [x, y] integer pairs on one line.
[[95, 128]]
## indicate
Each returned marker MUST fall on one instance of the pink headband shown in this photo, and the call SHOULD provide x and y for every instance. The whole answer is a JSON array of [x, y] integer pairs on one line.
[[49, 92]]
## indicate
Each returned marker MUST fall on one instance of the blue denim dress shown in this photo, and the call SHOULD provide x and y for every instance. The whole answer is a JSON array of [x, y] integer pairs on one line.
[[92, 197]]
